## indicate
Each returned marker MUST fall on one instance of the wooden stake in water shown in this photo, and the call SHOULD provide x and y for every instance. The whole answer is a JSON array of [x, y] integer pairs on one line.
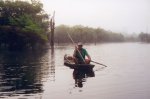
[[52, 27]]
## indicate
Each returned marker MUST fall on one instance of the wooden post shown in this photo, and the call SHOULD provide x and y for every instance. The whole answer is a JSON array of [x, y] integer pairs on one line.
[[52, 27]]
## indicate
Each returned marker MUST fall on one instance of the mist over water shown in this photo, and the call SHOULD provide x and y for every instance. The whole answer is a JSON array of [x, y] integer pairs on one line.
[[42, 75]]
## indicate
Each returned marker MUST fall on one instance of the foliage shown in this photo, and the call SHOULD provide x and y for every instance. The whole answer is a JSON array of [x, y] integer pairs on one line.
[[86, 34], [26, 21], [144, 37]]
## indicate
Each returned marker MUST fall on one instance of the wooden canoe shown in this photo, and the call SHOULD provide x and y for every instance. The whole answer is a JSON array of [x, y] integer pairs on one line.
[[79, 66], [72, 65]]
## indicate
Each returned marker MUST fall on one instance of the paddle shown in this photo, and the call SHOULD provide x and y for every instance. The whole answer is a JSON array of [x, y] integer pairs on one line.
[[98, 63], [80, 53], [76, 46]]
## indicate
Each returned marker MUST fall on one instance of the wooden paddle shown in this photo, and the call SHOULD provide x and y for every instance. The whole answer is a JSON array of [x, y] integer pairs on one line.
[[76, 46], [80, 53], [98, 63]]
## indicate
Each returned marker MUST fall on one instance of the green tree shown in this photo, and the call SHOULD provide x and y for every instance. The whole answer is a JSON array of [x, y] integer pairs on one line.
[[86, 34], [22, 24], [144, 37]]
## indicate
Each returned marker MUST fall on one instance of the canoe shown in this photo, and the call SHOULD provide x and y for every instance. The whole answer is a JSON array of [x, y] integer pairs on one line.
[[72, 65], [79, 66]]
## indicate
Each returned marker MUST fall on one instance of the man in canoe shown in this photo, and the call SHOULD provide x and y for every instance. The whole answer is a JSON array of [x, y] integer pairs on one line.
[[79, 55]]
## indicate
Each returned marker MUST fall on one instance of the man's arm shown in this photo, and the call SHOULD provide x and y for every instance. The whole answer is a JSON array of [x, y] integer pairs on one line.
[[74, 56], [75, 52], [88, 60], [88, 56]]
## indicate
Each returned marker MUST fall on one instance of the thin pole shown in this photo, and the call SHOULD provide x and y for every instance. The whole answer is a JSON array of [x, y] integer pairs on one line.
[[76, 46], [81, 54], [98, 63]]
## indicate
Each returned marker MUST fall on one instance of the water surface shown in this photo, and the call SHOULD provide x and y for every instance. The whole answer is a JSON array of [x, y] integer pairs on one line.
[[42, 75]]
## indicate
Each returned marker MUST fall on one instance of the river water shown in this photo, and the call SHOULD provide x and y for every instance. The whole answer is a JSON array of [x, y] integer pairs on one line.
[[42, 75]]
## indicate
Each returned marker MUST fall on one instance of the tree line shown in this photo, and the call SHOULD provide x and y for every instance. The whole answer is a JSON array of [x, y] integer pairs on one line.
[[26, 25], [22, 24], [144, 37], [85, 34]]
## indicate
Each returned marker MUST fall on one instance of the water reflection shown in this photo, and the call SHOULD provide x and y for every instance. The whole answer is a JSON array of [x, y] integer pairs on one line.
[[24, 72], [52, 66], [80, 76]]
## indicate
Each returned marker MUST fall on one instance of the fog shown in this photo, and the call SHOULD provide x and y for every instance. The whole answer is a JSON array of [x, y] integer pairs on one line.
[[125, 16]]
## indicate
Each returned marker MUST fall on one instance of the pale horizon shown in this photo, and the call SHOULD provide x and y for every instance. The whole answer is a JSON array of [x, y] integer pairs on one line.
[[125, 16]]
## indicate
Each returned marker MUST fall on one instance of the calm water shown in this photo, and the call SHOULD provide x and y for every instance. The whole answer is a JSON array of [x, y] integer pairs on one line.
[[42, 75]]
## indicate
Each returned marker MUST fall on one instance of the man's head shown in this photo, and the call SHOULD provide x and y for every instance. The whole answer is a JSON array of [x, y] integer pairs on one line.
[[80, 45]]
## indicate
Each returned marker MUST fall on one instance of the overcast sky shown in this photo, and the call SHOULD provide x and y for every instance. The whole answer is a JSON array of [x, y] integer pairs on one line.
[[127, 16]]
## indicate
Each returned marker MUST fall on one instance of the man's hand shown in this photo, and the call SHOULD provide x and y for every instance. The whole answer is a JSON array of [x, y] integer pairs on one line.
[[87, 61], [89, 58], [76, 47]]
